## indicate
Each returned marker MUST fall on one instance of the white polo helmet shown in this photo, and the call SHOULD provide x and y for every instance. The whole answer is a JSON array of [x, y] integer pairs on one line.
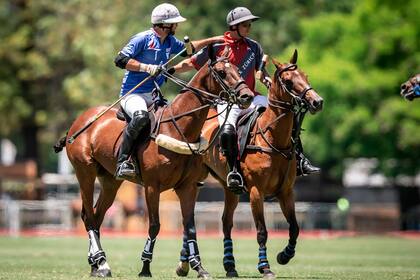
[[166, 13], [238, 15]]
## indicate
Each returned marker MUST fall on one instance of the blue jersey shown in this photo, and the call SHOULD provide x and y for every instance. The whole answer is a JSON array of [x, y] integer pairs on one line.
[[145, 47]]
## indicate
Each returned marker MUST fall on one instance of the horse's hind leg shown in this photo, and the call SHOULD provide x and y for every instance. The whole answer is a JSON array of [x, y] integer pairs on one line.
[[86, 175], [231, 201], [287, 204], [152, 194], [97, 257], [257, 206], [187, 196]]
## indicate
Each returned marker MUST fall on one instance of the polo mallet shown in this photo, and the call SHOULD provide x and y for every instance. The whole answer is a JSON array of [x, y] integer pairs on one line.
[[261, 67], [188, 45], [187, 48]]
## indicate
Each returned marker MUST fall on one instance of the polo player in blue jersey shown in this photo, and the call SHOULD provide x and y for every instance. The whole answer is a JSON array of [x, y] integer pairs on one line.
[[141, 58]]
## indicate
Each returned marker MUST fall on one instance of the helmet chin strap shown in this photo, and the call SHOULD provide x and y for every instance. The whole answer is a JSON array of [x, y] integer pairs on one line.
[[236, 29], [170, 27]]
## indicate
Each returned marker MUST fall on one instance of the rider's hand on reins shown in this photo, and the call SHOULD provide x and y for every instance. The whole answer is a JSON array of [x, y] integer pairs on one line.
[[267, 82], [151, 69]]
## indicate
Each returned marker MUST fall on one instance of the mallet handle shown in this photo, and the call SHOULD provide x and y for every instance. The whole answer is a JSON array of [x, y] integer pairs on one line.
[[261, 67]]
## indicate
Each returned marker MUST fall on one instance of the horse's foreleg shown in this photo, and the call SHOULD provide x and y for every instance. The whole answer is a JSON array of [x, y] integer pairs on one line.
[[231, 201], [187, 196], [183, 266], [257, 206], [287, 204], [152, 199]]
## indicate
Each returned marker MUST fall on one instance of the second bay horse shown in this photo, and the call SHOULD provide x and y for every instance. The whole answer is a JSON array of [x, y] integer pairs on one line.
[[268, 163], [93, 155]]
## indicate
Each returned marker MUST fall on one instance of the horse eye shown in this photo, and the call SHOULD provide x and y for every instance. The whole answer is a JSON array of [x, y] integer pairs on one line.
[[289, 85], [222, 74]]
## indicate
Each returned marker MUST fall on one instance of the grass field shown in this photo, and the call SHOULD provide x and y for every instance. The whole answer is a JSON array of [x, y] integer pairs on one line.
[[365, 258]]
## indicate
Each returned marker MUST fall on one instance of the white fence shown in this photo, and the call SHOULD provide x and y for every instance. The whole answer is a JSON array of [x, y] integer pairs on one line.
[[17, 216]]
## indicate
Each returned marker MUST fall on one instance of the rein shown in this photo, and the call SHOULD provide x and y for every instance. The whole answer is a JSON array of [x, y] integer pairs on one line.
[[209, 97]]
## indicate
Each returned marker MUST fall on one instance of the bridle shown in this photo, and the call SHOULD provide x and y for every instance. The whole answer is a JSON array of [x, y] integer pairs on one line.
[[298, 103], [231, 92], [298, 106]]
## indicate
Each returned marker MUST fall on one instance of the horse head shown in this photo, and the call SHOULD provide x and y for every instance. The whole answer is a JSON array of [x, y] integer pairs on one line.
[[293, 86], [411, 88], [229, 84]]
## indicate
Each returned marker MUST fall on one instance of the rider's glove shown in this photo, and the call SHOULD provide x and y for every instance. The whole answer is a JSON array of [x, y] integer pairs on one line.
[[149, 68], [171, 70], [267, 81]]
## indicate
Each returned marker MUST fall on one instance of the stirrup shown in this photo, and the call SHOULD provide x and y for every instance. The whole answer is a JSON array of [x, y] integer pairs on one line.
[[125, 171], [235, 183], [305, 168]]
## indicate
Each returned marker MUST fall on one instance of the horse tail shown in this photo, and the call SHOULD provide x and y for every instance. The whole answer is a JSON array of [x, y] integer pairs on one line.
[[58, 147]]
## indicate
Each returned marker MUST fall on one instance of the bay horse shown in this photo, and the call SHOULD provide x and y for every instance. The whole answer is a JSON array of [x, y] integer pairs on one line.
[[411, 88], [268, 162], [94, 155]]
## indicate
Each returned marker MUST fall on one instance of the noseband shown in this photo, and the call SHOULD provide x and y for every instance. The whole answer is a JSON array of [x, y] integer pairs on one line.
[[232, 93]]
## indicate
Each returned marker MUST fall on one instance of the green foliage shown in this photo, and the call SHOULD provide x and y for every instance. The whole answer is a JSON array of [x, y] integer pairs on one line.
[[357, 61]]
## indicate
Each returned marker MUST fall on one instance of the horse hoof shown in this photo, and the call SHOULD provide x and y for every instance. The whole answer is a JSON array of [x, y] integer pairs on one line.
[[182, 269], [232, 274], [145, 274], [203, 274], [269, 275], [282, 258], [101, 273]]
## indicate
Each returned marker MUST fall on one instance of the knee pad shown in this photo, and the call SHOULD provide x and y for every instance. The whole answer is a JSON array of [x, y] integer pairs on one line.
[[228, 139], [138, 122]]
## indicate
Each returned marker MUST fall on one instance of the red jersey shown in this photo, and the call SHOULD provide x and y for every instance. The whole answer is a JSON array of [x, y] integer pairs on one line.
[[245, 53]]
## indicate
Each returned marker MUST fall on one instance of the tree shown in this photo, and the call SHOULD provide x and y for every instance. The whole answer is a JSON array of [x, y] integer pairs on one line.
[[357, 61]]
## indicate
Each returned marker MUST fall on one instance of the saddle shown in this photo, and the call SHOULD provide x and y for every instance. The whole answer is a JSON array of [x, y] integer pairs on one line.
[[245, 124]]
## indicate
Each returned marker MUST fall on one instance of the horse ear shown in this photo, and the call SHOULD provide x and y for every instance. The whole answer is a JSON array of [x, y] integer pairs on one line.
[[294, 58], [276, 63], [211, 54]]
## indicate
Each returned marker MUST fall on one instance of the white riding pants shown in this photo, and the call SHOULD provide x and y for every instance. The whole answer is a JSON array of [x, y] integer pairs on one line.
[[136, 102], [235, 111]]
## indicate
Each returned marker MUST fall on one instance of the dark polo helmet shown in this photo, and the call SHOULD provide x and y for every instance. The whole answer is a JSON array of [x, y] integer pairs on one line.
[[238, 15]]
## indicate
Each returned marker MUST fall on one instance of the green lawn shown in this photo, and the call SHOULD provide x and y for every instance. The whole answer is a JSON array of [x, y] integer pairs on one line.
[[342, 258]]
